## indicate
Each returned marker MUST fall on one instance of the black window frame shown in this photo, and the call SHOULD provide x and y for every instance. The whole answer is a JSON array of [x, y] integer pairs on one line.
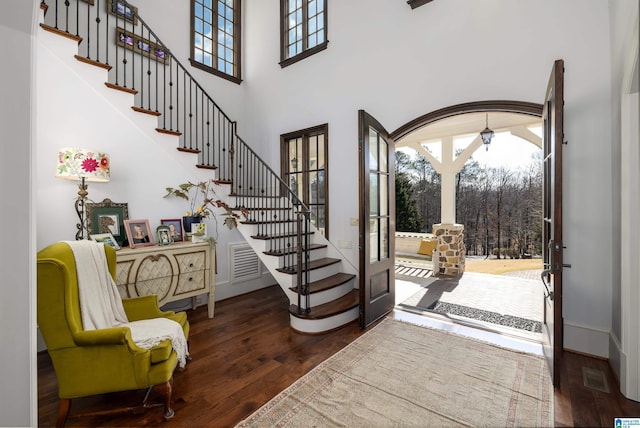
[[237, 41], [284, 29]]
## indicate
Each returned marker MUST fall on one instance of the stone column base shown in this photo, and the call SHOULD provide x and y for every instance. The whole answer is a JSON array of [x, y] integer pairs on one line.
[[451, 249]]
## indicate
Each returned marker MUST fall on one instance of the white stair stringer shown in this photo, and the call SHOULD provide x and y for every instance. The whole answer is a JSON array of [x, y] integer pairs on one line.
[[286, 281]]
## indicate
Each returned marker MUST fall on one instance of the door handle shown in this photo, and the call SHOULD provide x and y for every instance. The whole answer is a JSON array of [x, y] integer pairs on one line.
[[544, 277]]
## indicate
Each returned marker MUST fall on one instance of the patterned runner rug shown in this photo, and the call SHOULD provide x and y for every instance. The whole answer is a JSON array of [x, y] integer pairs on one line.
[[400, 374]]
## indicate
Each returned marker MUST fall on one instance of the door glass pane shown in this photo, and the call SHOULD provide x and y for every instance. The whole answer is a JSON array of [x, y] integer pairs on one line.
[[373, 240], [384, 238], [384, 167], [384, 196], [313, 187], [321, 190], [373, 194], [320, 153], [313, 152], [373, 150]]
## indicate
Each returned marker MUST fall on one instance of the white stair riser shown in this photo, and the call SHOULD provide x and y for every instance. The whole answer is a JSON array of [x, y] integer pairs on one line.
[[331, 294], [325, 324]]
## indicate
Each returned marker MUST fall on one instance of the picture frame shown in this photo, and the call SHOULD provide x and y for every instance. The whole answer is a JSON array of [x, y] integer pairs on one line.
[[175, 228], [163, 235], [139, 233], [199, 232], [142, 46], [106, 238], [123, 10], [107, 217]]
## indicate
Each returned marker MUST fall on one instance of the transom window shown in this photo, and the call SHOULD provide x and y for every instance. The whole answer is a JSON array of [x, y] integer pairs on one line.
[[304, 169], [215, 44], [303, 30]]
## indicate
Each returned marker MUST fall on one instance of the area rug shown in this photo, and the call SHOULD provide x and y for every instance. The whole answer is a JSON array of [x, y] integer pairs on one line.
[[486, 316], [400, 374]]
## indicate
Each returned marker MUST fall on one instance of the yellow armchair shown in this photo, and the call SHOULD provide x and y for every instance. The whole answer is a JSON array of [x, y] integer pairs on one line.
[[98, 361]]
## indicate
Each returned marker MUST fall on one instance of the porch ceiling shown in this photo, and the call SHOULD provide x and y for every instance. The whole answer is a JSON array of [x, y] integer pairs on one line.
[[468, 124]]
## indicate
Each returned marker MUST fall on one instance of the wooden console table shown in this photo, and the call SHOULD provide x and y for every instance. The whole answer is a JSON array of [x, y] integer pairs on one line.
[[172, 272]]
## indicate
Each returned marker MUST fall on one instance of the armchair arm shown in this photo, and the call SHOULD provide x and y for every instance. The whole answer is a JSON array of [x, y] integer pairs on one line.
[[142, 308], [104, 336]]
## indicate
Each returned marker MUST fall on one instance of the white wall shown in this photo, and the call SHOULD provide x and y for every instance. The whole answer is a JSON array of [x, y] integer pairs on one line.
[[18, 396], [624, 348]]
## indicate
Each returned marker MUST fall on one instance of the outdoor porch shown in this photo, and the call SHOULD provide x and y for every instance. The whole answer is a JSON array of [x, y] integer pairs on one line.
[[509, 303]]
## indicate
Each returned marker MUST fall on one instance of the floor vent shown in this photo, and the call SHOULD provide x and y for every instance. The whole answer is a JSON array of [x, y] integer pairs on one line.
[[595, 379], [245, 263]]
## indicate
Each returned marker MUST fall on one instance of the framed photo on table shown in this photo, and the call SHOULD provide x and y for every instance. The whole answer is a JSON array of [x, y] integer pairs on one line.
[[106, 238], [107, 217], [175, 228], [139, 233]]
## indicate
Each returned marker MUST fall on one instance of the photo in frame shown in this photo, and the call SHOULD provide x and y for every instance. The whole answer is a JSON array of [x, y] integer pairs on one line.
[[106, 238], [199, 232], [175, 228], [107, 217], [139, 233], [126, 11], [163, 235], [144, 47]]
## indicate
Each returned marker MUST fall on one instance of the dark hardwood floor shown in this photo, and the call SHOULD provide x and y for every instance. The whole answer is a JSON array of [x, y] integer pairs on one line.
[[247, 354]]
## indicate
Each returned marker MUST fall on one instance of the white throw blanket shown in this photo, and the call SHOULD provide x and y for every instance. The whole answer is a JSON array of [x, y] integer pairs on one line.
[[101, 305]]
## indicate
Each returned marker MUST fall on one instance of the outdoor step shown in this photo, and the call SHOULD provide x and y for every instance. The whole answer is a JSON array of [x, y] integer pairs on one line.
[[315, 264], [327, 283], [326, 310], [292, 250]]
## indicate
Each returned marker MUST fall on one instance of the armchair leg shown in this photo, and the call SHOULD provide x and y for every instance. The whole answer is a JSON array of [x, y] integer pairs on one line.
[[166, 389], [63, 412]]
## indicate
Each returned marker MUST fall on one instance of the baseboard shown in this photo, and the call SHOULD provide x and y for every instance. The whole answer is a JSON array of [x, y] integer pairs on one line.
[[226, 289], [587, 340], [616, 356]]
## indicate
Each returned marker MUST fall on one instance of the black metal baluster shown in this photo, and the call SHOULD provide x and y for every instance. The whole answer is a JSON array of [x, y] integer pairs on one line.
[[190, 116], [170, 96], [88, 38], [98, 30], [157, 76]]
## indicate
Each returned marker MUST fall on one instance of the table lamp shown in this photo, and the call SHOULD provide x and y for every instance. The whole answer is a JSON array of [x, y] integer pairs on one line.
[[83, 165]]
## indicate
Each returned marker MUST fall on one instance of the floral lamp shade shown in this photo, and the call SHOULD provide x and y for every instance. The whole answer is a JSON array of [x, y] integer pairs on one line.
[[76, 163]]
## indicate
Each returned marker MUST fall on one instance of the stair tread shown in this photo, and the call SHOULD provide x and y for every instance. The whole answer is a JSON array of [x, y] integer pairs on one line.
[[314, 264], [329, 309], [279, 236], [292, 250], [328, 282], [267, 221]]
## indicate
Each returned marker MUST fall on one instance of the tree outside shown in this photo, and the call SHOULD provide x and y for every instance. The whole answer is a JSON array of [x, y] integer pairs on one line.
[[500, 208]]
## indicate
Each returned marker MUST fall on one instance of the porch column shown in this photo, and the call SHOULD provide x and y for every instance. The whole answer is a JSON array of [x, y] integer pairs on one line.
[[451, 249]]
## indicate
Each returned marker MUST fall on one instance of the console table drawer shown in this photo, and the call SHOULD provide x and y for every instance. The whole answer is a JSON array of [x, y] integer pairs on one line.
[[190, 262], [190, 281], [171, 272]]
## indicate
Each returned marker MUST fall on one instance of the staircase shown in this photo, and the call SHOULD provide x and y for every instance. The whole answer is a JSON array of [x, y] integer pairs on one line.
[[321, 286]]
